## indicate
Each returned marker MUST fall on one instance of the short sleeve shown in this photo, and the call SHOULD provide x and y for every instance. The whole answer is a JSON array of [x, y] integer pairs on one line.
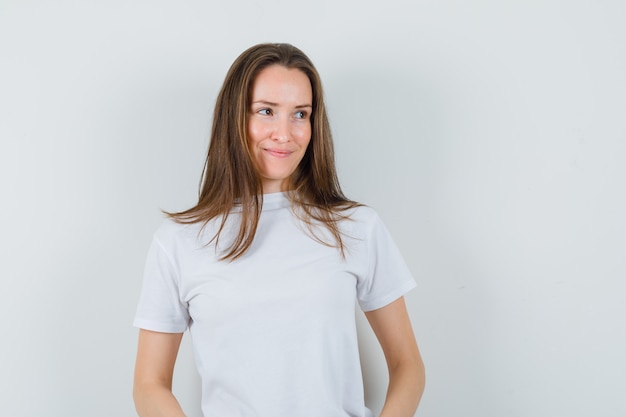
[[388, 277], [160, 307]]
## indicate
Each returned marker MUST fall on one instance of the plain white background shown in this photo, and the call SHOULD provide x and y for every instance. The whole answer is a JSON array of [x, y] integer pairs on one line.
[[489, 135]]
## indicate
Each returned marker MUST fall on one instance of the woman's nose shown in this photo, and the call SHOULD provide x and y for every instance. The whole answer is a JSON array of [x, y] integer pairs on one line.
[[280, 132]]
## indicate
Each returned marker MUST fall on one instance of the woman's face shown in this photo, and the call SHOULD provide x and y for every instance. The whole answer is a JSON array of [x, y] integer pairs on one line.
[[279, 124]]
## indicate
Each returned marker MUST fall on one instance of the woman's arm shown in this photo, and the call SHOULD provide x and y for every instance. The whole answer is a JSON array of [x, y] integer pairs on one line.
[[154, 369], [392, 327]]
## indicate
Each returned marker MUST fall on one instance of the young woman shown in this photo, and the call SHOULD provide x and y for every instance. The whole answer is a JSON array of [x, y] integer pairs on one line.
[[266, 268]]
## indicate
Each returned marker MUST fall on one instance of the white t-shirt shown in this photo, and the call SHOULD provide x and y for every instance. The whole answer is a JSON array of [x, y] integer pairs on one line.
[[274, 331]]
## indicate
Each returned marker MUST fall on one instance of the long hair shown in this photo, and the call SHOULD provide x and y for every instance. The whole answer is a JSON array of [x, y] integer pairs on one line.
[[229, 177]]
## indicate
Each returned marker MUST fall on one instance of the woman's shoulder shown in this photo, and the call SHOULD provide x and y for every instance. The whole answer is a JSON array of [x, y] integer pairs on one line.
[[360, 220], [362, 213], [170, 231]]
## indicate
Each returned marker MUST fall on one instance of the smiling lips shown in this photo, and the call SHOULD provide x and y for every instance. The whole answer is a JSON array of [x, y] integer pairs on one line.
[[278, 153]]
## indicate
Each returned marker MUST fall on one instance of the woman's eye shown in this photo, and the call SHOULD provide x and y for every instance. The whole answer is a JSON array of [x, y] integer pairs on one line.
[[265, 112], [301, 115]]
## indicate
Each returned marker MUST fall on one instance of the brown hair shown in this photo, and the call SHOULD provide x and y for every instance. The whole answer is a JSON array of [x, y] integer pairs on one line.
[[229, 176]]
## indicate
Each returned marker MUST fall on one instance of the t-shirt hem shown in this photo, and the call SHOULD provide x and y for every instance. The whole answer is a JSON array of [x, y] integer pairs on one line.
[[388, 298], [158, 327]]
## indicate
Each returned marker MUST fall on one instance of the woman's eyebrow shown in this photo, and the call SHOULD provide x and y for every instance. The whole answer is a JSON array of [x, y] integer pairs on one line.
[[270, 103]]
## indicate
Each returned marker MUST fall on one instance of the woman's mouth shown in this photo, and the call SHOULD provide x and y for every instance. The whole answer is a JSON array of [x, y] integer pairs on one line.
[[278, 153]]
